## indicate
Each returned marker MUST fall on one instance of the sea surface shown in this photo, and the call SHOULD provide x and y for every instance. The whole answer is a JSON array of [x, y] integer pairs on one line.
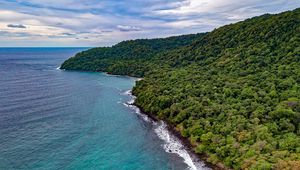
[[56, 119]]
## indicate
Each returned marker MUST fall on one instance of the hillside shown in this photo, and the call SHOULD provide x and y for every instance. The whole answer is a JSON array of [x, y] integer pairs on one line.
[[233, 92], [133, 57]]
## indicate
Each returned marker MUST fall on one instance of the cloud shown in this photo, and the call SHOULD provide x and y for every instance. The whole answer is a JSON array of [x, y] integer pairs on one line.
[[127, 28], [16, 26], [68, 34], [106, 22]]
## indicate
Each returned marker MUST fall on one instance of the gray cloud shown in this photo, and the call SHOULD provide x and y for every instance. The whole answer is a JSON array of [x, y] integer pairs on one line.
[[16, 26], [68, 34], [128, 28], [107, 22]]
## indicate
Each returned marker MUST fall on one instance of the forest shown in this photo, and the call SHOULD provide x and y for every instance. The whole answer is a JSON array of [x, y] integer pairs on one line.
[[125, 58], [233, 92]]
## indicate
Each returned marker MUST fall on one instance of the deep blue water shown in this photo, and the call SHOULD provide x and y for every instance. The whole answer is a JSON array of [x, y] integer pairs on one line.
[[54, 119]]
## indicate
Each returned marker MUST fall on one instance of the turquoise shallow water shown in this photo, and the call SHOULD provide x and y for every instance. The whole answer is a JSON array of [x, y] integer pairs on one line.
[[54, 119]]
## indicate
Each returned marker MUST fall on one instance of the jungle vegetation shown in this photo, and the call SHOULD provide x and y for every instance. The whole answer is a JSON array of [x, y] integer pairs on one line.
[[125, 58], [233, 92]]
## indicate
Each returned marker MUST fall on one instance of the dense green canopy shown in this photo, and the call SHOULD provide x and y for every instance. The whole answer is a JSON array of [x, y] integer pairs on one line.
[[234, 92], [126, 57]]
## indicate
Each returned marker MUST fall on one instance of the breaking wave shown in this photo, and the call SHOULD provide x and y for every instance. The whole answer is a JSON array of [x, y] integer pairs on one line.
[[171, 143]]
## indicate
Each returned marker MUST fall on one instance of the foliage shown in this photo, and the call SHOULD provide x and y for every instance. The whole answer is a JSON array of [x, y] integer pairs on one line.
[[128, 57], [234, 92]]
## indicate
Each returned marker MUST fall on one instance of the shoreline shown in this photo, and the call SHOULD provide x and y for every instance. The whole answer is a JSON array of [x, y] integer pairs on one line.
[[171, 129], [184, 141]]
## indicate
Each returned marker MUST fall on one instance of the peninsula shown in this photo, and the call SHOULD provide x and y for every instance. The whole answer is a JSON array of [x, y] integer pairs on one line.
[[234, 92]]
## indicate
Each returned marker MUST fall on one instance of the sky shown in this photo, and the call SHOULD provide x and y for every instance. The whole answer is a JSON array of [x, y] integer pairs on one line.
[[90, 23]]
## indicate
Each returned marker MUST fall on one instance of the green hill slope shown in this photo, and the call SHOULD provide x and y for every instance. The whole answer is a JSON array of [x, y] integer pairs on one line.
[[132, 57], [233, 92]]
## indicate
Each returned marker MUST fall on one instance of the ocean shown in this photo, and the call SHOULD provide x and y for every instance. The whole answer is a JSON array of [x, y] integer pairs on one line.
[[56, 119]]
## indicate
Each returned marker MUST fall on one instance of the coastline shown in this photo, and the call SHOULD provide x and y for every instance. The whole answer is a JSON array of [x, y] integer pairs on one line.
[[171, 129], [174, 132], [185, 141]]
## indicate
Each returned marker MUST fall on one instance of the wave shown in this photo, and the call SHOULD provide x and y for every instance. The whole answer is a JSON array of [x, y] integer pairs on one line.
[[130, 105], [174, 145], [171, 143], [58, 68], [129, 93]]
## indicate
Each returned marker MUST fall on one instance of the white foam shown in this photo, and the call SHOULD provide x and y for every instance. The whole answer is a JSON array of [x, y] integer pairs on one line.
[[58, 68], [172, 143], [129, 93], [130, 105]]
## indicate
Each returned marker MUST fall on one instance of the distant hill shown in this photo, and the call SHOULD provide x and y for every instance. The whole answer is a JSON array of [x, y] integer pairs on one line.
[[125, 57], [233, 92]]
